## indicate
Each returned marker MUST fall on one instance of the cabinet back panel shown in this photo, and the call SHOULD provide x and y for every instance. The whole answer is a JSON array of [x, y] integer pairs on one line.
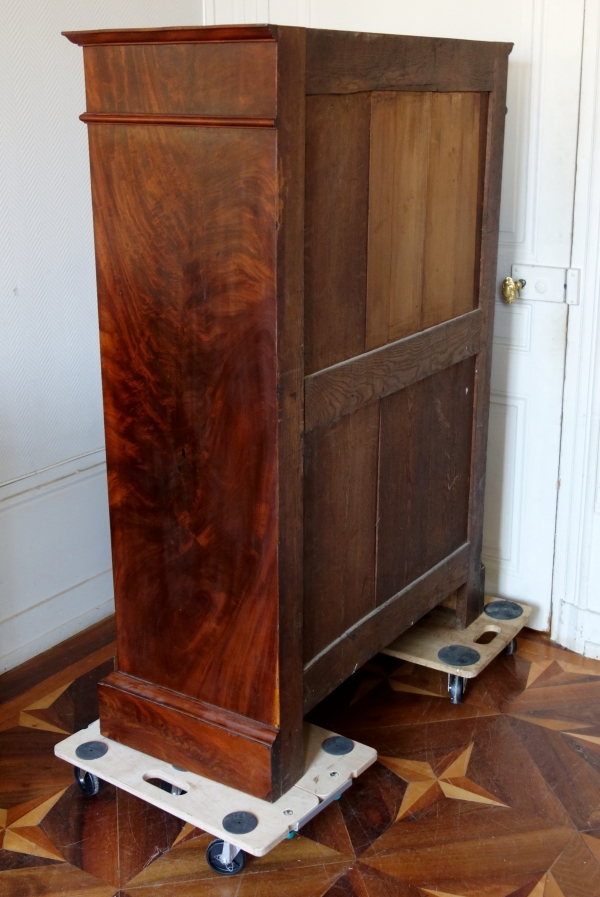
[[336, 206], [426, 174], [185, 248], [424, 474], [340, 508], [393, 219], [183, 79]]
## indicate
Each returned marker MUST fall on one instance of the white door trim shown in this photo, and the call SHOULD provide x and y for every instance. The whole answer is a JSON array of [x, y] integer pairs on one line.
[[576, 597]]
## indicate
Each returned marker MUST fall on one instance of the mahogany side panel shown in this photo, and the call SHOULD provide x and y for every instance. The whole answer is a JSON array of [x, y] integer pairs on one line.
[[425, 461], [336, 195], [344, 62], [340, 526], [185, 247], [232, 78]]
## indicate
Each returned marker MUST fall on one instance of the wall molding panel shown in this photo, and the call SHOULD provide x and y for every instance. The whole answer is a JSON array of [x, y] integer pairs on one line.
[[55, 563]]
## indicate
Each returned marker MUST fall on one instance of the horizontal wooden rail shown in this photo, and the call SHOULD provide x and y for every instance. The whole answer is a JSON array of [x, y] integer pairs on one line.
[[154, 118], [382, 625], [347, 386]]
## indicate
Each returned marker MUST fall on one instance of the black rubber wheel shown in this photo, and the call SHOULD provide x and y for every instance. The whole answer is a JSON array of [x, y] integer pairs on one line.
[[511, 647], [456, 687], [170, 789], [213, 858], [88, 783]]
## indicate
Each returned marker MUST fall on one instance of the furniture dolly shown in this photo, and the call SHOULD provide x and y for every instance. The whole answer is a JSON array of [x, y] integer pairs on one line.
[[435, 642], [240, 822]]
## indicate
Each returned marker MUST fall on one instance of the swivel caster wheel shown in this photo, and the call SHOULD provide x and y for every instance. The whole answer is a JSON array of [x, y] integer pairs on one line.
[[88, 783], [511, 647], [456, 687], [224, 859]]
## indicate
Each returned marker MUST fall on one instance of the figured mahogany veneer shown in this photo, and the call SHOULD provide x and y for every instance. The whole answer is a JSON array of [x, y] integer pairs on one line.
[[296, 240]]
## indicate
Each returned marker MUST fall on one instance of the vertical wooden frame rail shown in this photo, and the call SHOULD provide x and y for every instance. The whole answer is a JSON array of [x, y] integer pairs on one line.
[[470, 594], [296, 239]]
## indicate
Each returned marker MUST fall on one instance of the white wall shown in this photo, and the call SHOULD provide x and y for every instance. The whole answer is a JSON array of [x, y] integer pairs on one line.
[[55, 576]]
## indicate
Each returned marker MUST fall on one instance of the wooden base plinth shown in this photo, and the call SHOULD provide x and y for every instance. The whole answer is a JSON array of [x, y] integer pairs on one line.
[[207, 740]]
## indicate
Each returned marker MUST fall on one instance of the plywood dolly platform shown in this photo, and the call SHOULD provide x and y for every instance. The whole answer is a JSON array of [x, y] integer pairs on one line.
[[435, 642], [240, 823]]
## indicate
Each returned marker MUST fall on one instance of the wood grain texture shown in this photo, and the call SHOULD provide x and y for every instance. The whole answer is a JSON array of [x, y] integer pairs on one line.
[[450, 269], [399, 164], [231, 78], [343, 62], [336, 195], [426, 175], [470, 597], [190, 734], [343, 388], [424, 469], [190, 405], [338, 660], [340, 526]]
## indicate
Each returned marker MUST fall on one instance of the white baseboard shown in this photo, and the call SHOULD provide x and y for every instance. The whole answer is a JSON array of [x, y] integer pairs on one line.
[[55, 559], [579, 630], [91, 595]]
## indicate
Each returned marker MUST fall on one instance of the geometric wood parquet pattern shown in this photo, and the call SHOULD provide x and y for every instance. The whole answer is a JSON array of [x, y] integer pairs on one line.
[[497, 797]]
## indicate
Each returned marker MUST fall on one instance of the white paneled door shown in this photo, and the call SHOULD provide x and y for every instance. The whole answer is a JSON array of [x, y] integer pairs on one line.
[[536, 237]]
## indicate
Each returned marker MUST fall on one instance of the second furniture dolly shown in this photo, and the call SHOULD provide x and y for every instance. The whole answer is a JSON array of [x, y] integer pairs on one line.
[[435, 642]]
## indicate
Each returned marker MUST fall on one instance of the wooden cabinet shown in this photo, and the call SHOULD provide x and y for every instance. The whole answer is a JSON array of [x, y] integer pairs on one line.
[[296, 237]]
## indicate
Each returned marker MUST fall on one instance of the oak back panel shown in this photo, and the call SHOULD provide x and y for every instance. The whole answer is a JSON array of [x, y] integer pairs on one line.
[[395, 188]]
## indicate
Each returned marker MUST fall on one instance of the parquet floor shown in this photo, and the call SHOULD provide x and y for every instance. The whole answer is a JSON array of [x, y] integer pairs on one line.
[[499, 796]]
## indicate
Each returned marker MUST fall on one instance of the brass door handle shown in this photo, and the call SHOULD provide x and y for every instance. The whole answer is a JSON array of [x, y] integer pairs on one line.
[[511, 289]]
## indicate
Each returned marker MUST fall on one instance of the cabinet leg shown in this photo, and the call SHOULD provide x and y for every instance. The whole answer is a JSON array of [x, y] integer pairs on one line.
[[469, 599]]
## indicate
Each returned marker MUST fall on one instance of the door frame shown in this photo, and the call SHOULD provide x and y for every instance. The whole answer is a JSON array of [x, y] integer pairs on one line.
[[575, 601]]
